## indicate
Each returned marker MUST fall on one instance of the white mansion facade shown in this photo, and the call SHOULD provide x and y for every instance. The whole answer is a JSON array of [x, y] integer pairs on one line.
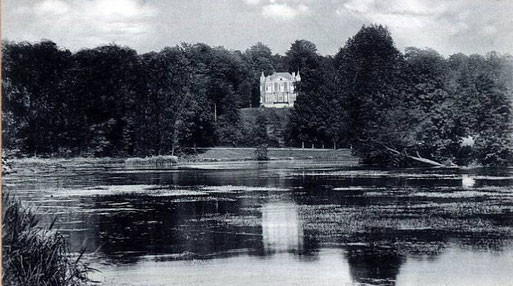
[[278, 90]]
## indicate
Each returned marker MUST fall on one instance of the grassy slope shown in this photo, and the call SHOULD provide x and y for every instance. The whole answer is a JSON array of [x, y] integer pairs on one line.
[[251, 114], [235, 154], [277, 120], [205, 154]]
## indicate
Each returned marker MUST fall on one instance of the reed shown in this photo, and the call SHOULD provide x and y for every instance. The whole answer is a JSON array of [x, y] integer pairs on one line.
[[33, 254]]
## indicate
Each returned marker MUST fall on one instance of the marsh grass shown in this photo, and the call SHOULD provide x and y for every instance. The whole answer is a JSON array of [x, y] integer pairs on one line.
[[33, 254]]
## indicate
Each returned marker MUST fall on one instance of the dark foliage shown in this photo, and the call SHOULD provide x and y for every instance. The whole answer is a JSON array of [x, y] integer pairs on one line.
[[109, 101], [261, 153]]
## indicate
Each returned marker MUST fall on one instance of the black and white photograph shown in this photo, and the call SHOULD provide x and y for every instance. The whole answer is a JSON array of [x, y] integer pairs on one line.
[[257, 142]]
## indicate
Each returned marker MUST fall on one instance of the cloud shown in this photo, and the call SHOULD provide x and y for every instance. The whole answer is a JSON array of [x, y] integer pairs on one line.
[[252, 2], [390, 7], [450, 26], [88, 22], [468, 26], [52, 7], [283, 11]]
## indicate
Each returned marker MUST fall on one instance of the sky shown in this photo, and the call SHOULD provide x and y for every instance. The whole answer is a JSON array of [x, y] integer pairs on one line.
[[448, 26]]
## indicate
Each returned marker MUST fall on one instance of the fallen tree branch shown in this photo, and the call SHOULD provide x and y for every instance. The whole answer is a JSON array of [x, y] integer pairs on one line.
[[417, 158], [427, 161]]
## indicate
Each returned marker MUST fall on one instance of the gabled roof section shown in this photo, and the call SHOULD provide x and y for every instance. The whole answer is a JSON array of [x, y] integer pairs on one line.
[[284, 75]]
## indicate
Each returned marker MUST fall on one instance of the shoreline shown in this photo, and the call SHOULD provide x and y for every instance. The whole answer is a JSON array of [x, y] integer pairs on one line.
[[206, 155]]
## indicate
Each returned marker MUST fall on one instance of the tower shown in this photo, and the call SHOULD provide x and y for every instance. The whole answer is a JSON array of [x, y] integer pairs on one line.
[[297, 77]]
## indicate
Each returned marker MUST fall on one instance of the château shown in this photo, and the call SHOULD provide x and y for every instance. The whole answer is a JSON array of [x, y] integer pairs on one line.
[[278, 89]]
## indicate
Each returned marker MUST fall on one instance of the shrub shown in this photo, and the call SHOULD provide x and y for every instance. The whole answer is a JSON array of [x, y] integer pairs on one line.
[[261, 153], [36, 255]]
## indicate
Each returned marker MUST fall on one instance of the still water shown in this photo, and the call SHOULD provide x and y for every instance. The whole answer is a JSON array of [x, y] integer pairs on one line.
[[281, 223]]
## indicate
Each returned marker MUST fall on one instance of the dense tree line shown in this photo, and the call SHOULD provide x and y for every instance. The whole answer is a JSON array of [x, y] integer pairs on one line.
[[111, 101], [384, 103]]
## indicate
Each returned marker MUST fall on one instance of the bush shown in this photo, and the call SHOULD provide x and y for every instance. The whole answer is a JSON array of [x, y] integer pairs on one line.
[[261, 153], [36, 255]]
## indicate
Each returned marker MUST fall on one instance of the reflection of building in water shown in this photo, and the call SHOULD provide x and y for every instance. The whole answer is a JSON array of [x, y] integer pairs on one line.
[[281, 227]]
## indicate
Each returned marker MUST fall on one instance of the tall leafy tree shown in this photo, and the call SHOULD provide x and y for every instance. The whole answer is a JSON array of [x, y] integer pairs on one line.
[[302, 56], [260, 60], [434, 129], [35, 96], [369, 68], [105, 86], [483, 106], [166, 82], [317, 116], [222, 78]]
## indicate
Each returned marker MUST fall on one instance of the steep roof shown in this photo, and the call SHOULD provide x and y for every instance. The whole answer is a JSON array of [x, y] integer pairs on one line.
[[282, 74]]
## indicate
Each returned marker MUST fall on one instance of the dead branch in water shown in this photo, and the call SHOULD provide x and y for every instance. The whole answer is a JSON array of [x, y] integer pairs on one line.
[[399, 156]]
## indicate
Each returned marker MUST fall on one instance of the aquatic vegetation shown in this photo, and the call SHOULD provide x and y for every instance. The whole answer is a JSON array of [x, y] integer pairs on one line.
[[230, 189], [36, 255], [200, 213]]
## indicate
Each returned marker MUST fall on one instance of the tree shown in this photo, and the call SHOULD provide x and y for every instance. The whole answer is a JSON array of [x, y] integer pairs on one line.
[[222, 78], [229, 129], [302, 56], [434, 130], [167, 99], [317, 116], [369, 67], [260, 60], [280, 63], [494, 130], [34, 90], [104, 85], [260, 131], [484, 107]]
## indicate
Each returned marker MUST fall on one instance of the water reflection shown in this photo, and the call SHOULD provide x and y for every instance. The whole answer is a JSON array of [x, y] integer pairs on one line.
[[196, 229], [281, 227], [458, 267], [374, 266], [320, 225], [467, 181]]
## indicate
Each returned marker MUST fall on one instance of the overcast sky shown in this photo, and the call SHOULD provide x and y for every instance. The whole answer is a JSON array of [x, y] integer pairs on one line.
[[449, 26]]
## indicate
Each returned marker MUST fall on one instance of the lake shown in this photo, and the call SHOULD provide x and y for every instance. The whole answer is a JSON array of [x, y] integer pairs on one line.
[[296, 222]]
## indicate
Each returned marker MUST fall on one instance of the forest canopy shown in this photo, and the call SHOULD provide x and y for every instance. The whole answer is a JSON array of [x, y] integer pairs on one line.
[[112, 101]]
